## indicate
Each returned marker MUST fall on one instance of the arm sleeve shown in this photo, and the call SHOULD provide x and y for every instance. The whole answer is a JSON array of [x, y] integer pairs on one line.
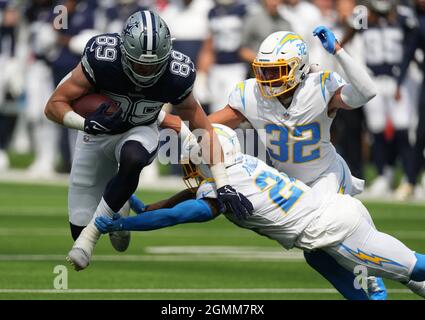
[[182, 84], [185, 212], [361, 87]]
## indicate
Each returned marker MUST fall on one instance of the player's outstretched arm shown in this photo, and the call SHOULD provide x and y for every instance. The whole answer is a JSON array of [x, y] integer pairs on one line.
[[184, 212], [139, 207], [360, 89], [58, 108]]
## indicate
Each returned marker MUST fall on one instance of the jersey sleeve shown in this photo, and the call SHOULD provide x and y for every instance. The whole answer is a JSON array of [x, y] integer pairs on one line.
[[88, 62], [183, 88], [237, 97], [330, 82], [183, 74]]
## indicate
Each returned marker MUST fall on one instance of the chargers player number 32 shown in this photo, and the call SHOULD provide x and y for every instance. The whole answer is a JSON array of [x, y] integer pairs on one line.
[[281, 139]]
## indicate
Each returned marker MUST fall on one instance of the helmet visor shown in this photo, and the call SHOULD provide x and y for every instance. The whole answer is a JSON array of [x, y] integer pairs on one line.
[[145, 70], [143, 73], [275, 78]]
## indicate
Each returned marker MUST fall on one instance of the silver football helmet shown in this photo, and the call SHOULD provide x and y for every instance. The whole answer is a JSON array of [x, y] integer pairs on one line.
[[146, 46]]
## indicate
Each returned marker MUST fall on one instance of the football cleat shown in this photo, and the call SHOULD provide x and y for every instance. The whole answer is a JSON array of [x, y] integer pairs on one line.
[[120, 240], [380, 187], [78, 258], [376, 289]]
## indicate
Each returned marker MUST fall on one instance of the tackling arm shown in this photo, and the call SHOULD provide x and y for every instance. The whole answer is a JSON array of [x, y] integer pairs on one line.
[[176, 210], [184, 195]]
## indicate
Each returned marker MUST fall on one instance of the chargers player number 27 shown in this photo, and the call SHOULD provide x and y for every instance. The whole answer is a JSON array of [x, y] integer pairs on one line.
[[282, 191]]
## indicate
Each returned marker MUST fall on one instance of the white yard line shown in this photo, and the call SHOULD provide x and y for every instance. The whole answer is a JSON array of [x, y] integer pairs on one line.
[[186, 290], [256, 256], [35, 211]]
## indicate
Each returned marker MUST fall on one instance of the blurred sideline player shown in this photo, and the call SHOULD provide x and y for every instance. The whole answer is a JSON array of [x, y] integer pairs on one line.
[[416, 44], [139, 70], [290, 212], [219, 60], [292, 107], [39, 87], [389, 27]]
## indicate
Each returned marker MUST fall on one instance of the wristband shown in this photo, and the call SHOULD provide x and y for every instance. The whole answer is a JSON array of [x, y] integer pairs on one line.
[[73, 120]]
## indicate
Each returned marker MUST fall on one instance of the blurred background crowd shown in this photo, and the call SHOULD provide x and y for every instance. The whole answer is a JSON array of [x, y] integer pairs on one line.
[[383, 142]]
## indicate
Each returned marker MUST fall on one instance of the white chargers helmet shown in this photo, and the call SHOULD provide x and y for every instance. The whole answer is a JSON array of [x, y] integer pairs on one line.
[[231, 151], [281, 63]]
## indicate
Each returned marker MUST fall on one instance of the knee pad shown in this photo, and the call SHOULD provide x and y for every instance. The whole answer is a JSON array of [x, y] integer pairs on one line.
[[418, 273]]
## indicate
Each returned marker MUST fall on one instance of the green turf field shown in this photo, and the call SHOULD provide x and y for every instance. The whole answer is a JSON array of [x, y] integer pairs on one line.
[[214, 260]]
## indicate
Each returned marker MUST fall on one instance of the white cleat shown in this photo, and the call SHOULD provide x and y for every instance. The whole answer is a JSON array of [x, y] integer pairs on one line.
[[404, 192], [380, 187], [120, 240], [4, 161], [78, 258]]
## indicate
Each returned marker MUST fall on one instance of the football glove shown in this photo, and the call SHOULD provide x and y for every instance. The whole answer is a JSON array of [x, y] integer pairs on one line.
[[137, 205], [105, 224], [326, 37], [100, 123], [235, 202]]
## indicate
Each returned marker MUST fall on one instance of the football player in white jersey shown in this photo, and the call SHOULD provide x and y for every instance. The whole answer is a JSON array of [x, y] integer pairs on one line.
[[290, 212], [292, 108]]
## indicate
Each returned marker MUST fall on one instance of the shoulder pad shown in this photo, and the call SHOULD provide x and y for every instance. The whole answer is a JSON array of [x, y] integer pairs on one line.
[[100, 51]]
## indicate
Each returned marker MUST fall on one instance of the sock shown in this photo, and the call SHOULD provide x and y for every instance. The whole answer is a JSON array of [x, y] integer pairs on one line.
[[75, 231], [339, 277], [89, 236], [418, 273]]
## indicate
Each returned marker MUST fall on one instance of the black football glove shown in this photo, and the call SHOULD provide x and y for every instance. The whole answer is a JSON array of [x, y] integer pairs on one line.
[[100, 123], [235, 202]]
